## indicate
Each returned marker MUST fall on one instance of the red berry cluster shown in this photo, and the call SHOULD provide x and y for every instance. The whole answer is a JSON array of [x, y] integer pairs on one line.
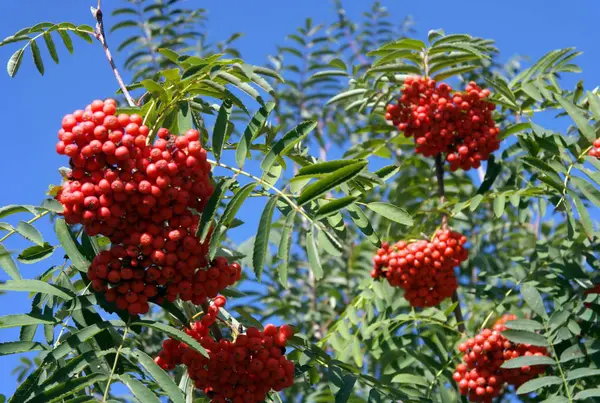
[[425, 270], [240, 371], [459, 124], [595, 151], [593, 290], [480, 376], [131, 278], [141, 197]]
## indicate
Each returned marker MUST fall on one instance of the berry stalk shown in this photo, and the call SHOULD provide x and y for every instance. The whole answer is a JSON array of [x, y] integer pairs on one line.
[[216, 331], [439, 172]]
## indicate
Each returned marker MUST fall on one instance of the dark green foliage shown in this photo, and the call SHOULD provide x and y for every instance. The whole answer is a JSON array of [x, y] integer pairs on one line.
[[529, 215]]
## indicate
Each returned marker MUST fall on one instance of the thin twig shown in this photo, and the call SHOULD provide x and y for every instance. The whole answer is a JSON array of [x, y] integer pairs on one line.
[[114, 367], [439, 173], [215, 326], [66, 321], [101, 36]]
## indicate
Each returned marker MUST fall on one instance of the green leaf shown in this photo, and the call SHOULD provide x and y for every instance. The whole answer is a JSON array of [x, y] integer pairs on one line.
[[37, 286], [37, 57], [502, 87], [357, 353], [15, 62], [289, 140], [582, 373], [52, 205], [538, 383], [584, 215], [235, 203], [155, 89], [395, 68], [162, 378], [67, 41], [330, 181], [62, 390], [524, 337], [410, 379], [174, 333], [67, 241], [184, 118], [405, 43], [261, 242], [313, 255], [499, 203], [139, 390], [577, 351], [8, 264], [346, 95], [338, 63], [17, 347], [454, 71], [74, 340], [252, 130], [391, 212], [579, 118], [36, 253], [24, 320], [285, 243], [528, 361], [124, 24], [533, 298], [334, 206], [51, 47], [30, 233], [524, 324], [588, 190], [362, 222], [594, 101], [343, 395], [586, 394], [321, 169], [221, 128], [514, 128], [211, 208]]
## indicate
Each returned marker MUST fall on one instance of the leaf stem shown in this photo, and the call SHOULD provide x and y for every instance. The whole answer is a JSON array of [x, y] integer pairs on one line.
[[66, 321], [560, 368], [101, 36], [11, 232], [114, 367], [267, 185], [568, 174]]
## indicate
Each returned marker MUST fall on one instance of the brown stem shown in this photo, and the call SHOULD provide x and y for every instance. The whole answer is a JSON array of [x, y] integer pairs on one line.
[[216, 331], [101, 36], [439, 173]]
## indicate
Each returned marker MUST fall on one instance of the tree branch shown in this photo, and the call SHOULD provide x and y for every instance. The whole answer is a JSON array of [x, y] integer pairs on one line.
[[439, 173], [101, 36]]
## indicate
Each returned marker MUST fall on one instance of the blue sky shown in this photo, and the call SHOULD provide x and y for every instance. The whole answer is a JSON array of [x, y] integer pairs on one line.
[[32, 106]]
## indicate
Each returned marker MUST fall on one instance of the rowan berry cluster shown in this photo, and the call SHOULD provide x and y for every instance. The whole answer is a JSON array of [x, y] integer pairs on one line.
[[239, 371], [425, 270], [141, 196], [595, 151], [480, 376], [458, 124]]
